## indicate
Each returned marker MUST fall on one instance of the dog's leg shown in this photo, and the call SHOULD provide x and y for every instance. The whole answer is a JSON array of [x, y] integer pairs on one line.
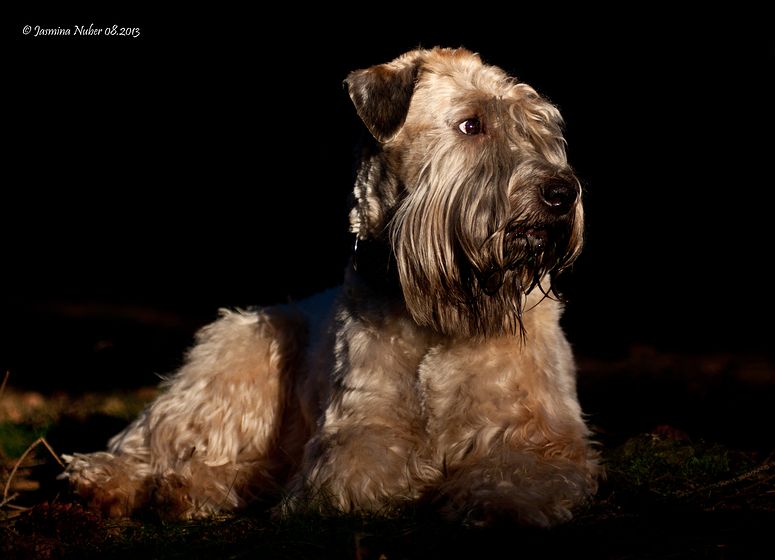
[[365, 454], [213, 438], [509, 430]]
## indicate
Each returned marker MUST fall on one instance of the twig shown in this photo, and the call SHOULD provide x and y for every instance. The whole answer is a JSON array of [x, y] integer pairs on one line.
[[53, 453], [724, 483], [5, 381], [745, 476], [33, 445], [9, 499]]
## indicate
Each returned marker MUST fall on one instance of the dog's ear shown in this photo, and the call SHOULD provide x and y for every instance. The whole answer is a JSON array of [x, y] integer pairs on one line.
[[381, 94]]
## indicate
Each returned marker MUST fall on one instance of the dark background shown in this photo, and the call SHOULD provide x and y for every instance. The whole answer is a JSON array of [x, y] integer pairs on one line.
[[208, 163]]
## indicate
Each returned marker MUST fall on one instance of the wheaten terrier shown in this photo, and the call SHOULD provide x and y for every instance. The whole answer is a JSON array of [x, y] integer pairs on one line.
[[437, 372]]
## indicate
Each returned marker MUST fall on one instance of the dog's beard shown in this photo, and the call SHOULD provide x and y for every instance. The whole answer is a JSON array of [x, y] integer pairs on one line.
[[468, 256]]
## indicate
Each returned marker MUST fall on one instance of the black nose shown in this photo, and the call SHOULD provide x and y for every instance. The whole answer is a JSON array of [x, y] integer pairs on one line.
[[559, 195]]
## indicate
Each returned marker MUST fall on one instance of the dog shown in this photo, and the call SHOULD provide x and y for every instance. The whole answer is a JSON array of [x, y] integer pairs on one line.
[[437, 373]]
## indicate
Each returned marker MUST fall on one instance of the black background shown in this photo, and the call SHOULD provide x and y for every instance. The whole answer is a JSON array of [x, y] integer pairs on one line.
[[208, 163]]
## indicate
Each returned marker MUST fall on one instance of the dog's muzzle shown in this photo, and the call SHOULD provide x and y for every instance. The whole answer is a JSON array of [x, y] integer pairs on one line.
[[535, 246]]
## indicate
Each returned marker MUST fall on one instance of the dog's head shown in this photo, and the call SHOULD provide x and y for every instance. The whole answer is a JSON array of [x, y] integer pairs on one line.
[[467, 184]]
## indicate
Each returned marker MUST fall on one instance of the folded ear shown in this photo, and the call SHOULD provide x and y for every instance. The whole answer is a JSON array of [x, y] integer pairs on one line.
[[381, 94]]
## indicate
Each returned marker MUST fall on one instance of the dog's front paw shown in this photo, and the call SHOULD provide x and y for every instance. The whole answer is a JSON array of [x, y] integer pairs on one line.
[[103, 482], [533, 493], [492, 507]]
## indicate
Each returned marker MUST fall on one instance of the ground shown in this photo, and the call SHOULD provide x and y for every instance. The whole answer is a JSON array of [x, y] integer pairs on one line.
[[685, 438]]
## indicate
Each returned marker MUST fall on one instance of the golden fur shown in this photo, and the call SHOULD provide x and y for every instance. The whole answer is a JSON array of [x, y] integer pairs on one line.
[[438, 371]]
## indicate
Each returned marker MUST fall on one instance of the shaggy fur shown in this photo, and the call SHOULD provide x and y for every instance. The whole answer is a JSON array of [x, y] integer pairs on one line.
[[438, 371]]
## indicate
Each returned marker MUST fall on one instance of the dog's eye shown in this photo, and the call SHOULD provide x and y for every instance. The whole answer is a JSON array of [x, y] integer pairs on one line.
[[470, 126]]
